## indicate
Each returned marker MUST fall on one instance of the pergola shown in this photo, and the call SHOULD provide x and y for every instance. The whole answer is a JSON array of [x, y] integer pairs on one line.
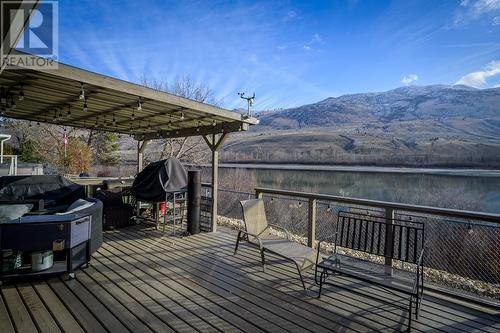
[[70, 96]]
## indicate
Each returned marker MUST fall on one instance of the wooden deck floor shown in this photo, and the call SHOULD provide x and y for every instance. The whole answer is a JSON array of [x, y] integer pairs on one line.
[[142, 280]]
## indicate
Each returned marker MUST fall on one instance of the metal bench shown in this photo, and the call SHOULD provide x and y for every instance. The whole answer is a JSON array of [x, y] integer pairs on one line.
[[256, 232], [391, 239]]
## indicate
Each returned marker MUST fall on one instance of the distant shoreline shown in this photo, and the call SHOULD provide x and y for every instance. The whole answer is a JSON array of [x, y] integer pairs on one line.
[[403, 170]]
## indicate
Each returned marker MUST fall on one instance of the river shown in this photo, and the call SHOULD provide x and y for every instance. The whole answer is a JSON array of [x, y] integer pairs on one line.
[[469, 189]]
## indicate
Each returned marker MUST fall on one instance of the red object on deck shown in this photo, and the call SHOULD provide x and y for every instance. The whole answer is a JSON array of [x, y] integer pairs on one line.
[[162, 208]]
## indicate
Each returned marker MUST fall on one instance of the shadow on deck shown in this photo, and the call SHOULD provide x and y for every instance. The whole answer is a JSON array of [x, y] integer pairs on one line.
[[142, 280]]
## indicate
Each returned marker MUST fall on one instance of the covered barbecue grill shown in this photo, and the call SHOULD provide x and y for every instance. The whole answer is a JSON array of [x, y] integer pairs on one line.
[[159, 179], [164, 185]]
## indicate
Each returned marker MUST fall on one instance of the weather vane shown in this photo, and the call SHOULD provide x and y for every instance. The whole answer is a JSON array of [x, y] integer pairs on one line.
[[249, 101]]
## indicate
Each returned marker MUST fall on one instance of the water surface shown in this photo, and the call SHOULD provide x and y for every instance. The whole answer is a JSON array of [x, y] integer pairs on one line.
[[452, 188]]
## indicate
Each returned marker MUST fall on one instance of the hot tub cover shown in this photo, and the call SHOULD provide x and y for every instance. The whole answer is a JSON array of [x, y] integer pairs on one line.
[[54, 189], [159, 178]]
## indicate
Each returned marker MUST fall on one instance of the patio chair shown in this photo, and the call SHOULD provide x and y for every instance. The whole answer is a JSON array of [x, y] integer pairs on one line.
[[257, 232]]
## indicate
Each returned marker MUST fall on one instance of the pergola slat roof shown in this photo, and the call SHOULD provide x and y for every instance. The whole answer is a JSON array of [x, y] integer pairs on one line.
[[52, 96]]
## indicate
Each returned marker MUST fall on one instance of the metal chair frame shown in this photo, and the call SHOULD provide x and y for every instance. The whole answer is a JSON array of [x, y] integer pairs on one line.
[[256, 227]]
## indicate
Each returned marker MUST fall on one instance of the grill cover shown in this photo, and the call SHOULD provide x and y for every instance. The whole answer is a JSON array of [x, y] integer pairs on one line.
[[159, 178]]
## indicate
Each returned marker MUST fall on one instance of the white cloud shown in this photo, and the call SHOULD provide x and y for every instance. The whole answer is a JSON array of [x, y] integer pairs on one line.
[[409, 79], [314, 43], [317, 39], [290, 15], [496, 20], [496, 86], [484, 6], [471, 11], [478, 79]]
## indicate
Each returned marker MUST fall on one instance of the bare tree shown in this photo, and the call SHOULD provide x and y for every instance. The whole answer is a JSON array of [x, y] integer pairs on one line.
[[191, 149], [36, 142]]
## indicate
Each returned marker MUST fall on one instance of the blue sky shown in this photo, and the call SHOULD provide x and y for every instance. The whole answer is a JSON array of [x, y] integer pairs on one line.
[[288, 52]]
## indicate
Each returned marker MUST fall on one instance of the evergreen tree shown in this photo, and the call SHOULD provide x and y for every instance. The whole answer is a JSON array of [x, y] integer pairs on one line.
[[105, 145]]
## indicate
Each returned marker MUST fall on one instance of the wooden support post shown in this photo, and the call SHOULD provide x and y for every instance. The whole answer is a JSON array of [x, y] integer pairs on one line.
[[311, 225], [141, 146], [215, 187], [389, 235], [214, 144]]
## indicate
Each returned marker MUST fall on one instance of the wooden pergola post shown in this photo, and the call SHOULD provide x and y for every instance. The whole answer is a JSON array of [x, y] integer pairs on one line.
[[215, 143], [141, 146]]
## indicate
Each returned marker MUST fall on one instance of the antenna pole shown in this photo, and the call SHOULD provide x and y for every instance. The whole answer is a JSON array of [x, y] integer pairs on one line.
[[249, 100]]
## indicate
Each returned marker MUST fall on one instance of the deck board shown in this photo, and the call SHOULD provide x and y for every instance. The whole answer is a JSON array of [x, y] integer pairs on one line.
[[206, 287], [19, 315], [198, 264], [143, 280], [75, 307], [56, 308], [5, 322], [196, 310], [166, 310], [35, 306], [100, 306], [266, 301]]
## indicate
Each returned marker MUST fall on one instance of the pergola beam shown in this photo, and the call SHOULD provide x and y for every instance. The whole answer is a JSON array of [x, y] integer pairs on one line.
[[90, 78], [202, 130], [47, 93]]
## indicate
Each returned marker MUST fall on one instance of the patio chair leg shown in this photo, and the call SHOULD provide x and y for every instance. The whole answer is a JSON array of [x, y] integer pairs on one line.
[[323, 276], [301, 277], [321, 281], [417, 307], [410, 314], [237, 242], [263, 260]]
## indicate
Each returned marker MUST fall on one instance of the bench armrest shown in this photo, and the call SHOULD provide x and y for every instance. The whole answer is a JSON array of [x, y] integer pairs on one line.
[[279, 228], [331, 239]]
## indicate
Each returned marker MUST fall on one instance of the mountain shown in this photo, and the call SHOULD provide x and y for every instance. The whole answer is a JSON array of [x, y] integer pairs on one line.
[[401, 104], [437, 125]]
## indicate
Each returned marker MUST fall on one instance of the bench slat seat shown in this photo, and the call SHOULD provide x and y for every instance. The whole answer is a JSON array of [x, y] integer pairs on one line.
[[367, 271]]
